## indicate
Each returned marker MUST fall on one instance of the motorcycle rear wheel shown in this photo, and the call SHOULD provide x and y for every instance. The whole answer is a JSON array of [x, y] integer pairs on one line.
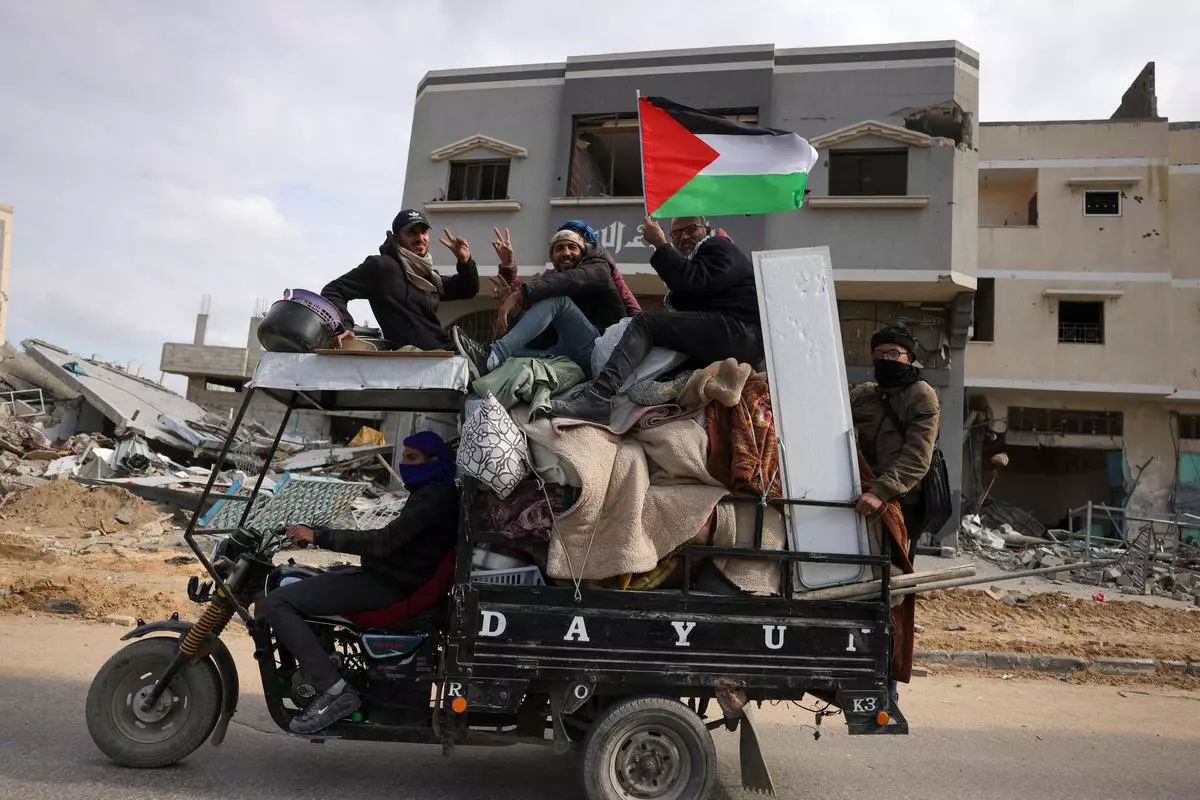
[[181, 720]]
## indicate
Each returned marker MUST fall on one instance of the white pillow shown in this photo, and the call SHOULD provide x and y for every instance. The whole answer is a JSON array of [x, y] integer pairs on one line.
[[492, 448]]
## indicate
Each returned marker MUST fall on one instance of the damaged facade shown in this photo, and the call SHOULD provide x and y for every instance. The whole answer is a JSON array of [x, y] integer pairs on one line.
[[894, 195], [1081, 365]]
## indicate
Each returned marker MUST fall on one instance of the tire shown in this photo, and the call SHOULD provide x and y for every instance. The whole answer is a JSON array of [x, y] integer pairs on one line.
[[172, 729], [649, 748]]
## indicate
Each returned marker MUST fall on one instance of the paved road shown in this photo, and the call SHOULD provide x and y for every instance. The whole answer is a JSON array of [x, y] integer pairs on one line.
[[974, 739]]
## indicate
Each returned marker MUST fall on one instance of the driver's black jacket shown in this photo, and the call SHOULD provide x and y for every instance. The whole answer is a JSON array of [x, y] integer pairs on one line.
[[410, 547]]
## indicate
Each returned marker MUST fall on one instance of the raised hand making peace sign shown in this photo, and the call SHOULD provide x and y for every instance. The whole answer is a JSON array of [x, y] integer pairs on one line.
[[504, 248], [459, 246]]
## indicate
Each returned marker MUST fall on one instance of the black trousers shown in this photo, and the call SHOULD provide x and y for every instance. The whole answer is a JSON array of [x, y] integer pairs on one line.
[[344, 591], [914, 516], [703, 336]]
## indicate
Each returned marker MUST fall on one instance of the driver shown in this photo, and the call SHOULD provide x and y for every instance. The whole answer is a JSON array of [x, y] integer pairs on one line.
[[396, 561]]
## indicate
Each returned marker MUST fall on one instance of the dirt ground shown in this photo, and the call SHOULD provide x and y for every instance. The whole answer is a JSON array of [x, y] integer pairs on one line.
[[71, 508], [93, 586], [57, 558], [965, 619], [72, 550]]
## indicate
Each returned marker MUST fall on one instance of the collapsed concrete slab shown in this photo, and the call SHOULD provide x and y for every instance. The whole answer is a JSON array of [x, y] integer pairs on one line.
[[126, 400]]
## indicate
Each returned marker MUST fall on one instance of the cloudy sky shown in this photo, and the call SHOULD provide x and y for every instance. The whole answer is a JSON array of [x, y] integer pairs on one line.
[[155, 152]]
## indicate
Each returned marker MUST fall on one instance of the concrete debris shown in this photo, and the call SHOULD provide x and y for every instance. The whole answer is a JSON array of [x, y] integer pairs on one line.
[[113, 465], [63, 607], [1144, 566]]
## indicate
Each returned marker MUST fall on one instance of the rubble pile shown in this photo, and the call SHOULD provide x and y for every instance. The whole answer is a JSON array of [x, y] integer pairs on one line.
[[94, 459], [1142, 566]]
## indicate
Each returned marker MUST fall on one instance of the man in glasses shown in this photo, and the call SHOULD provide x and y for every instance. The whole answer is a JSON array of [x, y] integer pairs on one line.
[[896, 424], [712, 312]]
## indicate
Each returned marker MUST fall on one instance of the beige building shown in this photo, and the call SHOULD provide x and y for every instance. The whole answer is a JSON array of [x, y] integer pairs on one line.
[[1082, 365], [6, 223]]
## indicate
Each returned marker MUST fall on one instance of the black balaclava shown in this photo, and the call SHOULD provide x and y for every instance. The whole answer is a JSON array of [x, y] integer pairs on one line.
[[889, 374]]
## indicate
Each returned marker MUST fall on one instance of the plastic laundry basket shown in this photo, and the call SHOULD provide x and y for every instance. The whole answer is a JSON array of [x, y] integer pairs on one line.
[[518, 576]]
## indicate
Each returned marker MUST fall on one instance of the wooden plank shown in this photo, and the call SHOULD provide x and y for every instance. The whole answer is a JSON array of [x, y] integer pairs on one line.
[[810, 397]]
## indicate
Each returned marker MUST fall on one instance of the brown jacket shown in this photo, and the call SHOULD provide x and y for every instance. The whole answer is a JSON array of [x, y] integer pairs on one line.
[[899, 462]]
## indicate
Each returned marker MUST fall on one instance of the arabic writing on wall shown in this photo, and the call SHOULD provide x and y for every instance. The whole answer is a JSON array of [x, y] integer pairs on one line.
[[613, 236]]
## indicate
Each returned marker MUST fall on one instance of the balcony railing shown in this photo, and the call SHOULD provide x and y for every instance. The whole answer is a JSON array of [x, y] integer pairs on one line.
[[1081, 333]]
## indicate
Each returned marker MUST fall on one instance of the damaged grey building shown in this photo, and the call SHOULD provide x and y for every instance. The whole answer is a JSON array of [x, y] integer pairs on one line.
[[894, 195]]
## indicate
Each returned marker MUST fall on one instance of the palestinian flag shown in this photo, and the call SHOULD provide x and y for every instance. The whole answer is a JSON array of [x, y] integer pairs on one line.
[[698, 164]]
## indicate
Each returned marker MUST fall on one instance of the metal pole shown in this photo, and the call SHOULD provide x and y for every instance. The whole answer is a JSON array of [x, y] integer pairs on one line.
[[262, 473], [898, 582], [642, 155], [928, 587], [1087, 533]]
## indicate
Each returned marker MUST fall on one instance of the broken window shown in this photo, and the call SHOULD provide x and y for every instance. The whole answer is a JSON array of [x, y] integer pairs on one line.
[[983, 322], [1189, 426], [1102, 203], [861, 318], [606, 158], [478, 180], [1081, 322], [1065, 422], [858, 173], [606, 154], [479, 325]]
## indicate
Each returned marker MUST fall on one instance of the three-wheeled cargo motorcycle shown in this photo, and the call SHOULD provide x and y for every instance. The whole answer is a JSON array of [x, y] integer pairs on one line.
[[633, 680]]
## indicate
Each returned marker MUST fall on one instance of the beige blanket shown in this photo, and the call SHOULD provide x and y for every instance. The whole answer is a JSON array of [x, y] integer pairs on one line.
[[720, 382], [735, 528], [642, 496]]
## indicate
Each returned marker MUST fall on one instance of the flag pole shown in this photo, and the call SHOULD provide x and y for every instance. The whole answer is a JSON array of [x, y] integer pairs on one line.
[[642, 155]]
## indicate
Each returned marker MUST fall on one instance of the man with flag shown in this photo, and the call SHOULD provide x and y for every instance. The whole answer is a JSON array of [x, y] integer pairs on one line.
[[713, 312], [696, 164]]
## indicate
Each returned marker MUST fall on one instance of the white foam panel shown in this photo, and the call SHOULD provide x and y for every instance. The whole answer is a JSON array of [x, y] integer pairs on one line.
[[811, 403]]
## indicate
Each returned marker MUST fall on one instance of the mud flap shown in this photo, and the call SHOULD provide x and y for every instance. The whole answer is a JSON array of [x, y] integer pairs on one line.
[[562, 742], [756, 777]]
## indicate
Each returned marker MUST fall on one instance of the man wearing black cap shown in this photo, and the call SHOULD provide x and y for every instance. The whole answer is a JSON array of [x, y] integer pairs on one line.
[[896, 424], [402, 286]]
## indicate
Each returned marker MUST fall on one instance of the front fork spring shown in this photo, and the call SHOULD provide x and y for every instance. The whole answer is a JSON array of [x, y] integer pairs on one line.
[[214, 619]]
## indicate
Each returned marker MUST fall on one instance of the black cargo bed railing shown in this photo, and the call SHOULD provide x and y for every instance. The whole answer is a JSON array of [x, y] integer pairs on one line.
[[689, 553]]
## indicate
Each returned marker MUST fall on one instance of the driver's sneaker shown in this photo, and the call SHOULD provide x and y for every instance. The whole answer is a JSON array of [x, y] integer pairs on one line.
[[477, 355], [325, 710]]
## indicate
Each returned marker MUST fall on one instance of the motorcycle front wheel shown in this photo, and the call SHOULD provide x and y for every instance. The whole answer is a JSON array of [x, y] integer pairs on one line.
[[178, 723]]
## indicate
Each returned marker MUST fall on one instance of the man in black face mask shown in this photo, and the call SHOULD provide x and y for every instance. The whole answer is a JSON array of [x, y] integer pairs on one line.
[[896, 423]]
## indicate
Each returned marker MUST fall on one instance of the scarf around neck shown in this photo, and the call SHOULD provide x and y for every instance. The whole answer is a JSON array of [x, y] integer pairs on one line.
[[418, 269]]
